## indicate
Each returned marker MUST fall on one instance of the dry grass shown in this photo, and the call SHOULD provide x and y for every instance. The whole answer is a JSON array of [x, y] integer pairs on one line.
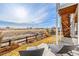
[[47, 40]]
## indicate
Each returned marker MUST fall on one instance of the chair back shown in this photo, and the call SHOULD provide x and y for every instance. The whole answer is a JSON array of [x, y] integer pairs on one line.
[[66, 49]]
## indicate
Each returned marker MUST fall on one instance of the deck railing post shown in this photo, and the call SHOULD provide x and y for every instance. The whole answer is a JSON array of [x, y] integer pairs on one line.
[[36, 36], [26, 40], [10, 42]]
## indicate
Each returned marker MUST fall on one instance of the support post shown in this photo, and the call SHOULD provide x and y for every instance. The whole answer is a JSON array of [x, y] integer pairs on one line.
[[78, 23], [57, 6], [72, 26], [60, 29]]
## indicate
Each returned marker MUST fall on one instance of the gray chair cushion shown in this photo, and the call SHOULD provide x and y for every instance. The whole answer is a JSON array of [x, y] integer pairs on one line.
[[37, 52]]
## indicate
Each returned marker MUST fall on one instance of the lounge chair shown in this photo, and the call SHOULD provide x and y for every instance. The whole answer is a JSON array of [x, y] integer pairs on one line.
[[66, 50], [62, 49], [36, 52], [65, 46], [46, 52]]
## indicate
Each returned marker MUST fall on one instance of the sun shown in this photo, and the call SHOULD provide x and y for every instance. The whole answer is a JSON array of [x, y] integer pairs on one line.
[[20, 12]]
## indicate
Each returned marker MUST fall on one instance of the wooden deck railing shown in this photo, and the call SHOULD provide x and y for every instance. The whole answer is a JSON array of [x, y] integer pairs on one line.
[[11, 45], [20, 37]]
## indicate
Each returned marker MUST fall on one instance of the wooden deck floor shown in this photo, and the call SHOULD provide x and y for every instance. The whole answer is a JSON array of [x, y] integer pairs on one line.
[[48, 40]]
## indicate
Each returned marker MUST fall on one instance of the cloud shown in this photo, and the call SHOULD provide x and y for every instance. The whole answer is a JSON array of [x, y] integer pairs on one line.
[[40, 18], [39, 15], [10, 15]]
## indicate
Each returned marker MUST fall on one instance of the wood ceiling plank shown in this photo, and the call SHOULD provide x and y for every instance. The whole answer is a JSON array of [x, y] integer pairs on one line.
[[68, 10]]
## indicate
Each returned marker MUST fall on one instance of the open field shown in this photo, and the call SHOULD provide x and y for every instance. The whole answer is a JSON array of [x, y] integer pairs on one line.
[[17, 34], [14, 38]]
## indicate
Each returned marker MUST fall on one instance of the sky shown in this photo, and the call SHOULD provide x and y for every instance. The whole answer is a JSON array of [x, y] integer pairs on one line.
[[23, 15]]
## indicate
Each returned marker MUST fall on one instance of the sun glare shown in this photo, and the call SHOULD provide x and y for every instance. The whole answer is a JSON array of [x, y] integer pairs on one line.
[[21, 12]]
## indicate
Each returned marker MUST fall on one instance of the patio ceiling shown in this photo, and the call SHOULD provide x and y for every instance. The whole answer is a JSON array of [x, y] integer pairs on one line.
[[68, 10]]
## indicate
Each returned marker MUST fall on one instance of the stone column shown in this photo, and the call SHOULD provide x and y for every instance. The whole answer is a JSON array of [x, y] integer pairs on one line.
[[65, 20]]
